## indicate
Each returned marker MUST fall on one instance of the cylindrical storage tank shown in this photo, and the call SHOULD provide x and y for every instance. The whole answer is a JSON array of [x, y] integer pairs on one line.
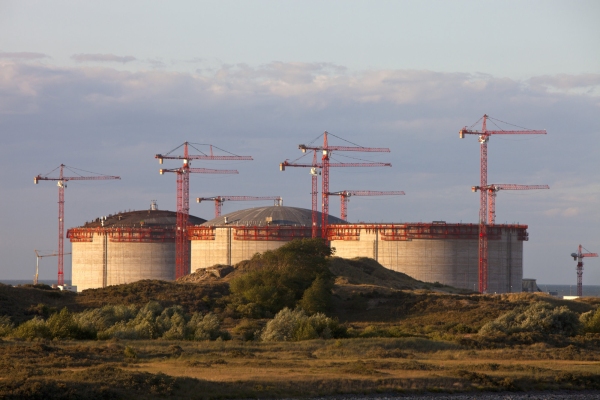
[[239, 235], [124, 248], [438, 252]]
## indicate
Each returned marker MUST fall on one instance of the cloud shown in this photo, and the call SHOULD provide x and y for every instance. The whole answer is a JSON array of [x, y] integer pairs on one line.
[[113, 121], [589, 83], [24, 55], [102, 58]]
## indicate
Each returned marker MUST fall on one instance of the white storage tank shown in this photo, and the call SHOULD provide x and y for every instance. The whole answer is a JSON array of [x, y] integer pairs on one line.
[[125, 247], [239, 235]]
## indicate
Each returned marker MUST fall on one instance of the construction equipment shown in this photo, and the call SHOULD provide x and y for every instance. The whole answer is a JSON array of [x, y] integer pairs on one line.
[[484, 136], [182, 251], [314, 172], [346, 194], [62, 185], [219, 200], [325, 164], [492, 191], [37, 262], [579, 258]]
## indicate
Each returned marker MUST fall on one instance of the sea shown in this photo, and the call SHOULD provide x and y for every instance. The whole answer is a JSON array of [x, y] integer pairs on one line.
[[560, 290]]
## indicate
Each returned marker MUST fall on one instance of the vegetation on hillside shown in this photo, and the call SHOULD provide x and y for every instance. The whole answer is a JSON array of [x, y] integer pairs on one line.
[[290, 322]]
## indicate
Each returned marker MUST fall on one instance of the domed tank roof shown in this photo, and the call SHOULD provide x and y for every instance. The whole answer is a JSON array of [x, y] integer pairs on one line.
[[142, 218], [273, 215]]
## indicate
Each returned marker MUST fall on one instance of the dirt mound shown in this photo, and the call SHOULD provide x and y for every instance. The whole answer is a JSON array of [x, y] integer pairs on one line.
[[214, 273], [366, 271]]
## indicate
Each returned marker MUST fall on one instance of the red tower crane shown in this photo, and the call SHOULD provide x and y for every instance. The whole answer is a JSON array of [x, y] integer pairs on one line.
[[219, 200], [484, 136], [314, 172], [579, 258], [326, 164], [315, 166], [492, 190], [61, 182], [182, 251], [346, 194]]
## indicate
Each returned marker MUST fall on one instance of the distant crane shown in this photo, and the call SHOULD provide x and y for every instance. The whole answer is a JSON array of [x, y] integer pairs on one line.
[[219, 200], [37, 262], [484, 136], [315, 171], [579, 258], [325, 164], [493, 189], [62, 185], [182, 251], [346, 194]]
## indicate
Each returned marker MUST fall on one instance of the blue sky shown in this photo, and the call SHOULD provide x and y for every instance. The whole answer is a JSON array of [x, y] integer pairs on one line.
[[105, 85]]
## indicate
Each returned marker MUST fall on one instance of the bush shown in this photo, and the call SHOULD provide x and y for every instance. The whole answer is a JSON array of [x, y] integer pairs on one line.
[[295, 325], [591, 321], [282, 277], [540, 317], [6, 325], [206, 328], [32, 329]]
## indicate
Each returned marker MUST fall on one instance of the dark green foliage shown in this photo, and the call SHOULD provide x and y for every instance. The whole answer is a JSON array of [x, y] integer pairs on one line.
[[62, 325], [281, 277], [317, 298], [295, 325], [591, 321], [540, 317]]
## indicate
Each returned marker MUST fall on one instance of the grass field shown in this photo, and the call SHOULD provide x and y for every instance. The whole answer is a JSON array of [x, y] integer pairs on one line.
[[231, 369]]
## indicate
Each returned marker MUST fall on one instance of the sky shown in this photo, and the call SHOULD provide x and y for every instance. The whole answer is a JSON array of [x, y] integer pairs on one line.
[[103, 86]]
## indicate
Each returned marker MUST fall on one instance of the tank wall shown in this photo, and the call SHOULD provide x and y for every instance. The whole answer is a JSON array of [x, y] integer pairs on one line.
[[450, 261], [87, 264], [126, 262], [130, 262], [225, 250]]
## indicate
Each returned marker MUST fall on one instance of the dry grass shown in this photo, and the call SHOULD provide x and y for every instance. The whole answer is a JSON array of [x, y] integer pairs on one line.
[[249, 369]]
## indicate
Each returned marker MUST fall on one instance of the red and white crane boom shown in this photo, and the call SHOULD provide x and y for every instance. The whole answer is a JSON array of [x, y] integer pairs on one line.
[[182, 250], [219, 200], [579, 258], [484, 136], [325, 164], [492, 190], [61, 182], [346, 194]]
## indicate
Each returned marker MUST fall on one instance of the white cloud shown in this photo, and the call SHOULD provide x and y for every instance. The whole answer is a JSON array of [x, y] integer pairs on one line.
[[23, 55], [102, 58]]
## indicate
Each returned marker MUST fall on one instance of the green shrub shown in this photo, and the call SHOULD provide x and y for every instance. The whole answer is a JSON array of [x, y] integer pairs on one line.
[[62, 325], [540, 317], [295, 325], [206, 328], [317, 298], [6, 325], [100, 319], [33, 329], [591, 321], [282, 277]]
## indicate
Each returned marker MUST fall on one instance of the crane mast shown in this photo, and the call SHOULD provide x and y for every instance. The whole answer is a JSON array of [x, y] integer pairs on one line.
[[326, 163], [61, 182], [579, 258], [182, 250], [483, 137]]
